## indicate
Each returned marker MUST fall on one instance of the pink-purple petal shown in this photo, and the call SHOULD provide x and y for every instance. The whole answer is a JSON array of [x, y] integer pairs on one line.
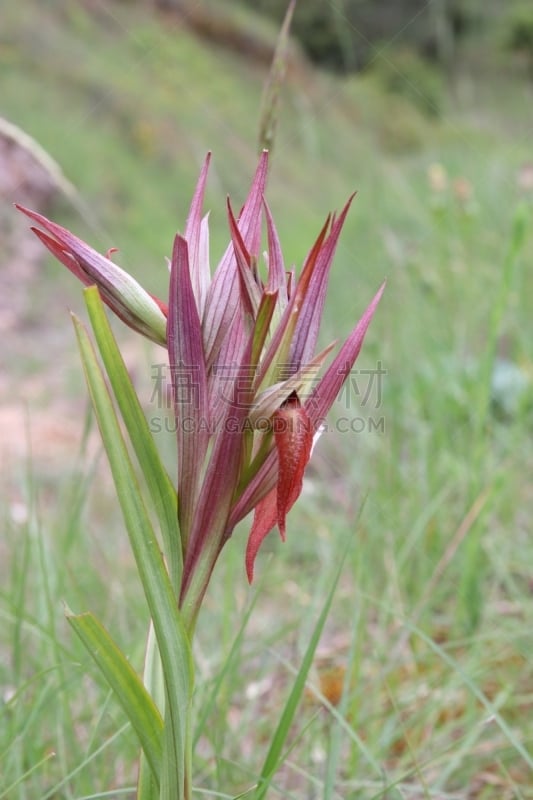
[[189, 382], [324, 394], [301, 382], [310, 316], [250, 291], [193, 235], [277, 279], [278, 351], [222, 374], [224, 293], [122, 293], [222, 474]]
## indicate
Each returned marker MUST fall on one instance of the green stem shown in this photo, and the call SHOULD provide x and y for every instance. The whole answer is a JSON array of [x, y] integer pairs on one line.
[[193, 592]]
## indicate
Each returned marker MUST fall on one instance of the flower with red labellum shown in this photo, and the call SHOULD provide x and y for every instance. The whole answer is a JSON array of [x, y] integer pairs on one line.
[[293, 435]]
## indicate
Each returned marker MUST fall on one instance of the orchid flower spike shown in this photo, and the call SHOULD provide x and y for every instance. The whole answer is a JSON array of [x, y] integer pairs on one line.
[[247, 395]]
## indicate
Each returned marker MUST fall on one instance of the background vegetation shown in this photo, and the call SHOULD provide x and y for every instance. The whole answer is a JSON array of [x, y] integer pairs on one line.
[[431, 632]]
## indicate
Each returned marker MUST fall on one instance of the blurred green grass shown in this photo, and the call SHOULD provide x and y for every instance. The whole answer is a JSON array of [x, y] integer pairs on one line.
[[436, 600]]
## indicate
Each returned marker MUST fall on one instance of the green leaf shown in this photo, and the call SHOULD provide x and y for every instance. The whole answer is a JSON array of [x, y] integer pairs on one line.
[[162, 492], [172, 639], [262, 324], [274, 757], [126, 684], [147, 789], [9, 791]]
